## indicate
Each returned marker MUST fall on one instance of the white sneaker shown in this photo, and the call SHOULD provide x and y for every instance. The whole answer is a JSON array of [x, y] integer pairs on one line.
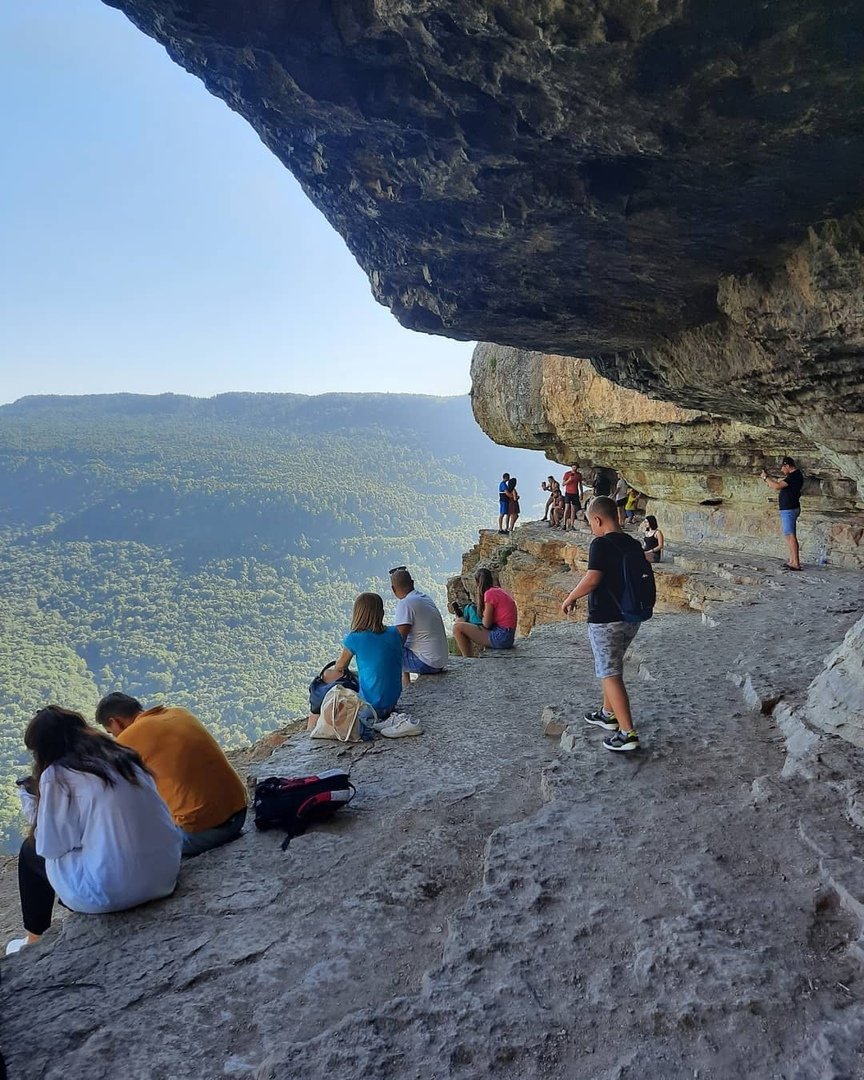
[[15, 945], [379, 725], [401, 725]]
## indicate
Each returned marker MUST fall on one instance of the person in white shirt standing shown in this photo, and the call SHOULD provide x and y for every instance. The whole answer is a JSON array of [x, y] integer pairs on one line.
[[103, 839], [418, 620]]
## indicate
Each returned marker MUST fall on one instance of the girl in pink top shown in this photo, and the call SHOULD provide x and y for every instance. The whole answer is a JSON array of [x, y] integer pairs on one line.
[[497, 609]]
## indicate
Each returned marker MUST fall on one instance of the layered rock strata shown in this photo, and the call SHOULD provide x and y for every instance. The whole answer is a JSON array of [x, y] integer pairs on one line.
[[700, 470], [539, 566]]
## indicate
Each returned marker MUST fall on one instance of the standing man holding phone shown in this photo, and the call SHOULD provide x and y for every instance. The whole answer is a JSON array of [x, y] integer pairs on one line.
[[788, 485]]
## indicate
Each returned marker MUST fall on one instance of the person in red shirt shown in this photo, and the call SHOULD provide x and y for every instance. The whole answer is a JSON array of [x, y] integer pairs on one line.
[[497, 609], [572, 484]]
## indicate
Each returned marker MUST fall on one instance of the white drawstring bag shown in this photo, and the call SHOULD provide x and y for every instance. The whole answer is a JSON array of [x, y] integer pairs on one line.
[[340, 716]]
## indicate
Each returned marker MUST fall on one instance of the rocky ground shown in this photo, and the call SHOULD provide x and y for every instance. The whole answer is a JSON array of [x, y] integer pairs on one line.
[[495, 904]]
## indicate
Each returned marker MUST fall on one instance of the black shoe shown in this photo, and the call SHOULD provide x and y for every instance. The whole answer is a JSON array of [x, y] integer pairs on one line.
[[622, 740], [600, 719]]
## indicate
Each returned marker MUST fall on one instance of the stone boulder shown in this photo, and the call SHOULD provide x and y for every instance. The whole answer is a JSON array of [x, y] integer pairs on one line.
[[835, 702]]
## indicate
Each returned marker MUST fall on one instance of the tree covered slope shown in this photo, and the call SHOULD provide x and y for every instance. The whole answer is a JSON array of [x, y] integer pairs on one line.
[[207, 552]]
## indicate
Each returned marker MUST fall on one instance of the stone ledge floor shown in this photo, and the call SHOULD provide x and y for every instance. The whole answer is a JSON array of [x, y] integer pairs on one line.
[[491, 906]]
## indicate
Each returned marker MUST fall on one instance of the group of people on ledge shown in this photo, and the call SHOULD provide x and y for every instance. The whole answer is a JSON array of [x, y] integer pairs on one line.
[[564, 505], [508, 504], [111, 818], [564, 500], [387, 656]]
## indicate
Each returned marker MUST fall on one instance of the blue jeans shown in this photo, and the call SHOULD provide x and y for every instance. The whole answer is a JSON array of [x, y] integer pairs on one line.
[[197, 843], [412, 662]]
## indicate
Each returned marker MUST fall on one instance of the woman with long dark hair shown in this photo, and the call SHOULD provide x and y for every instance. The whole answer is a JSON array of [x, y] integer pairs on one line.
[[513, 496], [497, 609], [102, 839], [653, 541]]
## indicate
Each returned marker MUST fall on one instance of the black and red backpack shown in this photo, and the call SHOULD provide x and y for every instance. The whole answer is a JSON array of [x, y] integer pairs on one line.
[[295, 803]]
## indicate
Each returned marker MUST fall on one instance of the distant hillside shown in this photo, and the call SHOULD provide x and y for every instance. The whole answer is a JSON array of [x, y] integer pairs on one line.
[[208, 551]]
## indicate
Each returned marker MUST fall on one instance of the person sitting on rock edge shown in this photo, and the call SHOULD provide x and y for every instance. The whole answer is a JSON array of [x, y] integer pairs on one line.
[[205, 795], [103, 839], [419, 621], [610, 636], [378, 649], [653, 541], [497, 609]]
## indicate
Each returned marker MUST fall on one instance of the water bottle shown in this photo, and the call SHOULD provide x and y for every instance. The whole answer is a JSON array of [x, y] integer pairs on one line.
[[822, 557]]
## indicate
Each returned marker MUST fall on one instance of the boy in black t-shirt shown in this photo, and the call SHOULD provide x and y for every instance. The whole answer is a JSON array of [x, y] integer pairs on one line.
[[610, 636]]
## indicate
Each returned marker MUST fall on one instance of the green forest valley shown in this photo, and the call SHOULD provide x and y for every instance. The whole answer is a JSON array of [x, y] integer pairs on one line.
[[206, 552]]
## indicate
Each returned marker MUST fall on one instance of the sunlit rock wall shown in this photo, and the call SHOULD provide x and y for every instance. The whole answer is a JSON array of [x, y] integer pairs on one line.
[[701, 471]]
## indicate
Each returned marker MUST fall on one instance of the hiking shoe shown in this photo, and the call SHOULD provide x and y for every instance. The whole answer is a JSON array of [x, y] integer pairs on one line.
[[600, 719], [622, 740], [400, 726]]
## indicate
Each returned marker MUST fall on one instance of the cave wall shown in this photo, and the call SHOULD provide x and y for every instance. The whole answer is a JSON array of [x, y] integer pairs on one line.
[[700, 470]]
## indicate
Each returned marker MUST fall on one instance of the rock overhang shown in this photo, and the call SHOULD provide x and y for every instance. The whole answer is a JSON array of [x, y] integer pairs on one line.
[[572, 178]]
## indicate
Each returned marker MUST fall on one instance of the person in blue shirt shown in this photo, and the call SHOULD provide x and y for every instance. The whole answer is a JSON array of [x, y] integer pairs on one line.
[[503, 503], [378, 649]]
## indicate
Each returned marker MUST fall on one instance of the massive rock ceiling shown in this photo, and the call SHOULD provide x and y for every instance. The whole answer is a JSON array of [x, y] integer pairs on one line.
[[669, 187], [566, 176]]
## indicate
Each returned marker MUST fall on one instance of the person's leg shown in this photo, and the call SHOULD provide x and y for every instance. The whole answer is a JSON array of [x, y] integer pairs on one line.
[[621, 518], [412, 664], [37, 895], [617, 701], [197, 843], [467, 635], [794, 551], [609, 643]]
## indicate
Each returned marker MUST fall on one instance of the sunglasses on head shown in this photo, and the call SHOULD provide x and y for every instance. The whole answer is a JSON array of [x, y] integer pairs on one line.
[[396, 569]]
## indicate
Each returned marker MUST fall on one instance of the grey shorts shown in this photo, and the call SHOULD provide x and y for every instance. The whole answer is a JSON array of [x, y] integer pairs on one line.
[[609, 642]]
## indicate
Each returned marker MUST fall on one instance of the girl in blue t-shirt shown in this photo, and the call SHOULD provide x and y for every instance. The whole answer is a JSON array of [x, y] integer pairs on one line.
[[378, 649]]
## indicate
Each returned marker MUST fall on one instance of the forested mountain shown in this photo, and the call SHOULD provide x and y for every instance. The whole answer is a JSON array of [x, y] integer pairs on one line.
[[207, 552]]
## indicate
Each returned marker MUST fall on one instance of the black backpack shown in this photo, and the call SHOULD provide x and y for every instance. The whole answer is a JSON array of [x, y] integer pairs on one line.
[[639, 591], [295, 803]]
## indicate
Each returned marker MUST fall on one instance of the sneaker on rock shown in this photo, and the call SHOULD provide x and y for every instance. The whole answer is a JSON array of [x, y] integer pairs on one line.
[[401, 725]]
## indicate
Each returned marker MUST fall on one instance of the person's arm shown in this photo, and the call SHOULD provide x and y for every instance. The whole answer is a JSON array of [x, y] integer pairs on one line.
[[345, 658], [660, 541], [58, 824], [590, 581], [488, 615], [404, 629], [776, 485]]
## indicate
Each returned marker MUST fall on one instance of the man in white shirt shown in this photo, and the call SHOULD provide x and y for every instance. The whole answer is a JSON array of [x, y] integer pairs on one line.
[[418, 620]]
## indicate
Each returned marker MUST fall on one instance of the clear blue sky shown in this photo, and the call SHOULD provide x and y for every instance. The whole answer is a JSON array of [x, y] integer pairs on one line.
[[149, 242]]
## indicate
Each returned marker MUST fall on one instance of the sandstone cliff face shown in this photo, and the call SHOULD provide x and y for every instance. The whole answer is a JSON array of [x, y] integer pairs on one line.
[[700, 470]]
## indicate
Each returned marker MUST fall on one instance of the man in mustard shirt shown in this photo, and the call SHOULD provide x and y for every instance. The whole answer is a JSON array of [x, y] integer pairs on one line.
[[206, 797]]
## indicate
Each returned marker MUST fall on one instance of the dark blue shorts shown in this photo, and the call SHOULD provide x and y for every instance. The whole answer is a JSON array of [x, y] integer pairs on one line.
[[503, 506], [501, 638]]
